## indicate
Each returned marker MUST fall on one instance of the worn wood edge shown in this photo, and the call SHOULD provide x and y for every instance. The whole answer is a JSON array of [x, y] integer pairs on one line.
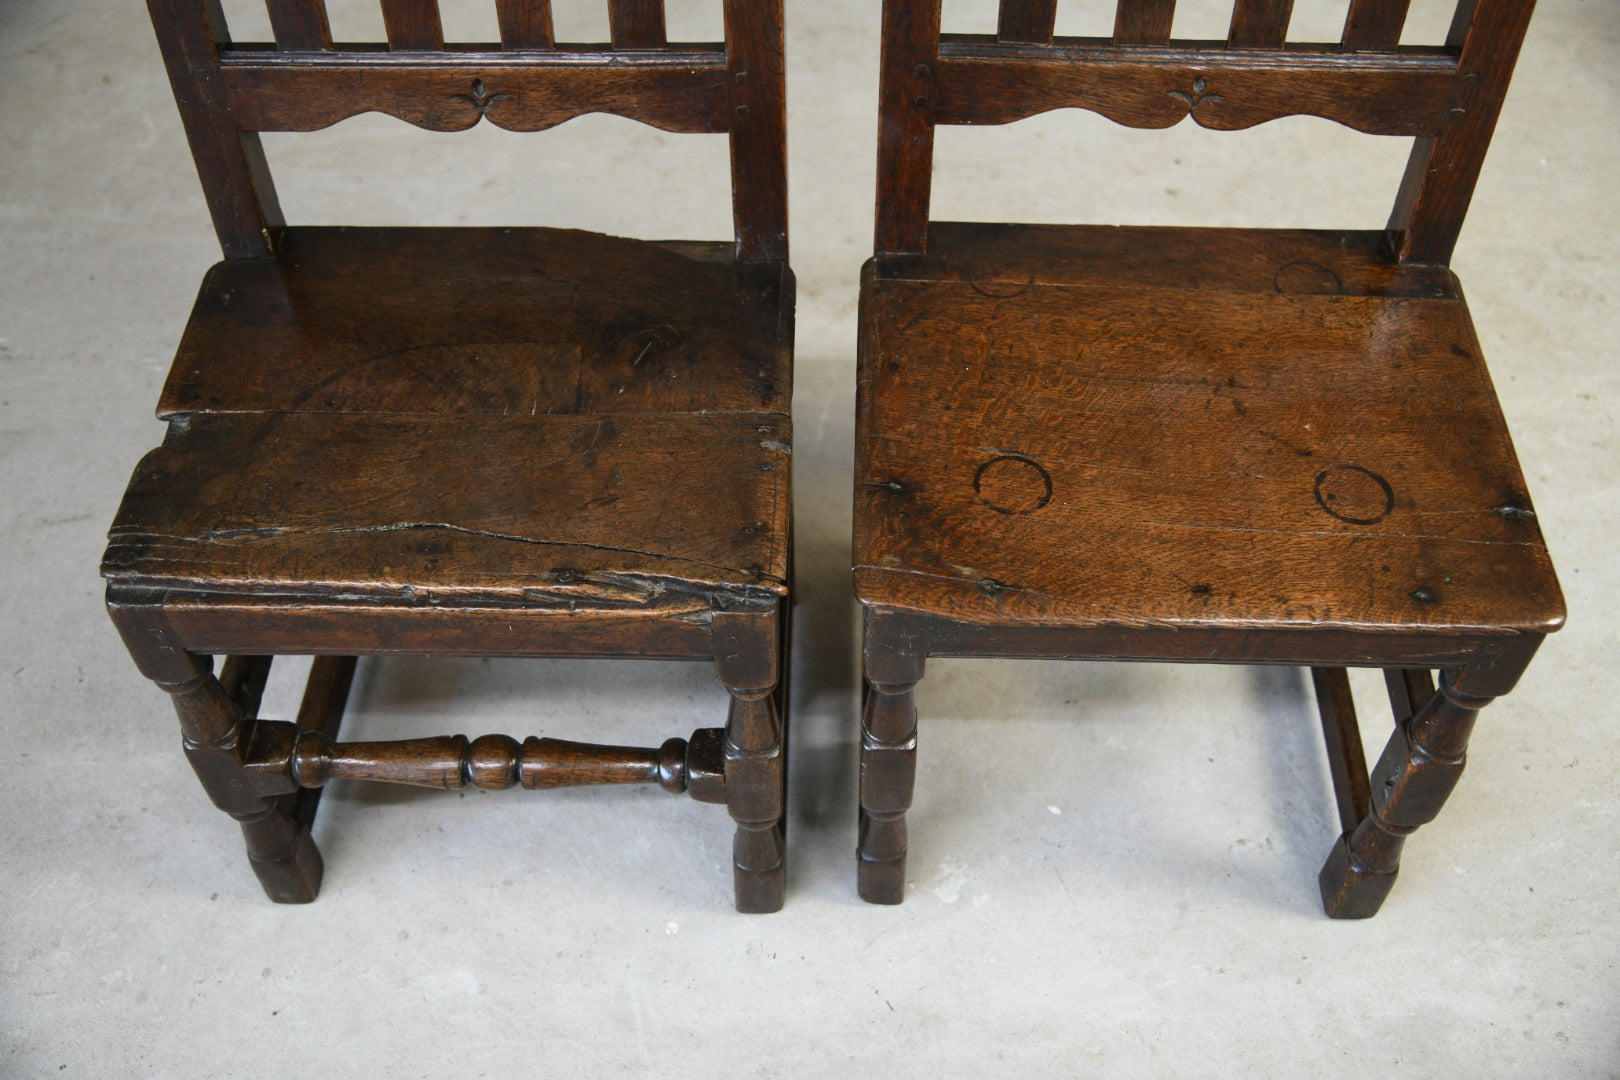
[[565, 587], [952, 246], [1305, 645], [219, 624], [975, 284], [581, 592], [870, 594]]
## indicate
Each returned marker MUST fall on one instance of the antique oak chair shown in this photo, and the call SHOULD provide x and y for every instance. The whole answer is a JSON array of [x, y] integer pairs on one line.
[[1177, 444], [525, 442]]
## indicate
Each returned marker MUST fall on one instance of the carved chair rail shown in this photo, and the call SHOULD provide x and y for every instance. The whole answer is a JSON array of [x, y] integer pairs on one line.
[[686, 90], [1409, 92], [231, 91]]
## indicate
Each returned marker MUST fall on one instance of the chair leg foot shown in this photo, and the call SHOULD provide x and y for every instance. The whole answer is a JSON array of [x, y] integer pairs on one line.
[[881, 881], [293, 878], [1350, 890], [759, 870]]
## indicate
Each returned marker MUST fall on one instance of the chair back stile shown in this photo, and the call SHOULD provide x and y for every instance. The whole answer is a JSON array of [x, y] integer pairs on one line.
[[1446, 98], [229, 92]]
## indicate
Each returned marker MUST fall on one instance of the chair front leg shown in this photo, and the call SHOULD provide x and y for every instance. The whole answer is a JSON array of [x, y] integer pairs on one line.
[[894, 657], [216, 731], [215, 734], [888, 776], [1411, 782], [747, 660]]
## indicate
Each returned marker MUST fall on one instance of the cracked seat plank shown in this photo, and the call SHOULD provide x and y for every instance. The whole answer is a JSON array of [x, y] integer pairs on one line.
[[1185, 428], [472, 416], [607, 511]]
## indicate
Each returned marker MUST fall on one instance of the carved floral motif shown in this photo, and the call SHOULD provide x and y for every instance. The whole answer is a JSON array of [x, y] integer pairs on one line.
[[1197, 97], [480, 98]]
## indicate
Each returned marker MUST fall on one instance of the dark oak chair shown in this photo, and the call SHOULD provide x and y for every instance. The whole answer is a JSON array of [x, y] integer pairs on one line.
[[486, 442], [1197, 445]]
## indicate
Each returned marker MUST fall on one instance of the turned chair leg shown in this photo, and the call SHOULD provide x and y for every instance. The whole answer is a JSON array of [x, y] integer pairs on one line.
[[754, 796], [215, 728], [888, 775], [279, 846], [1411, 782], [748, 662], [893, 653]]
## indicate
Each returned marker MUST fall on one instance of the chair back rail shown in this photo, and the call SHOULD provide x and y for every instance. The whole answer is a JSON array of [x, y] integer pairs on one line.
[[228, 92], [1446, 98]]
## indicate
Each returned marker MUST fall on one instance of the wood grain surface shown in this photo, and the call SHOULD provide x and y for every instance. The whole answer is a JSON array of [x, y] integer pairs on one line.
[[1199, 451], [496, 321]]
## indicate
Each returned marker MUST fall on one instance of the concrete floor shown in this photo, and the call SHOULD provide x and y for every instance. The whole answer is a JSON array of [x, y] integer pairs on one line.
[[1125, 888]]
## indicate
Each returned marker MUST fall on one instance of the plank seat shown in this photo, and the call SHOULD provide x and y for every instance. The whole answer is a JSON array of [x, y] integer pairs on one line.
[[1232, 428]]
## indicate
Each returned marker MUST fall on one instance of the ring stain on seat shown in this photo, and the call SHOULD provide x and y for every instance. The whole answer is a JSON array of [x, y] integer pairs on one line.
[[1013, 484]]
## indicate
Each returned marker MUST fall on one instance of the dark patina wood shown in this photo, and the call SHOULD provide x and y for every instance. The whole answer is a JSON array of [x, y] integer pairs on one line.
[[1026, 20], [482, 442], [1143, 22], [1194, 445], [525, 24]]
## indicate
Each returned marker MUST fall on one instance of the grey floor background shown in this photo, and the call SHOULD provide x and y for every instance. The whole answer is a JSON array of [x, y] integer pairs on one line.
[[1124, 887]]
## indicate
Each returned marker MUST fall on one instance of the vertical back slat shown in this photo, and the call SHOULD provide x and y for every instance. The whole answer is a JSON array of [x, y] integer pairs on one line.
[[1259, 24], [1442, 171], [754, 58], [300, 25], [1027, 21], [906, 123], [230, 164], [1374, 25], [1143, 22], [525, 24], [637, 24], [413, 24]]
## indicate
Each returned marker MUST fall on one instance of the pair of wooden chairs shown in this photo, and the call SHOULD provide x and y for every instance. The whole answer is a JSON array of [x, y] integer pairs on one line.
[[1242, 446]]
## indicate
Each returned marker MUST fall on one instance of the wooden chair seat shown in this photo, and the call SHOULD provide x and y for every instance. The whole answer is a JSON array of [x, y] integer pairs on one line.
[[443, 417], [506, 322], [1185, 427]]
